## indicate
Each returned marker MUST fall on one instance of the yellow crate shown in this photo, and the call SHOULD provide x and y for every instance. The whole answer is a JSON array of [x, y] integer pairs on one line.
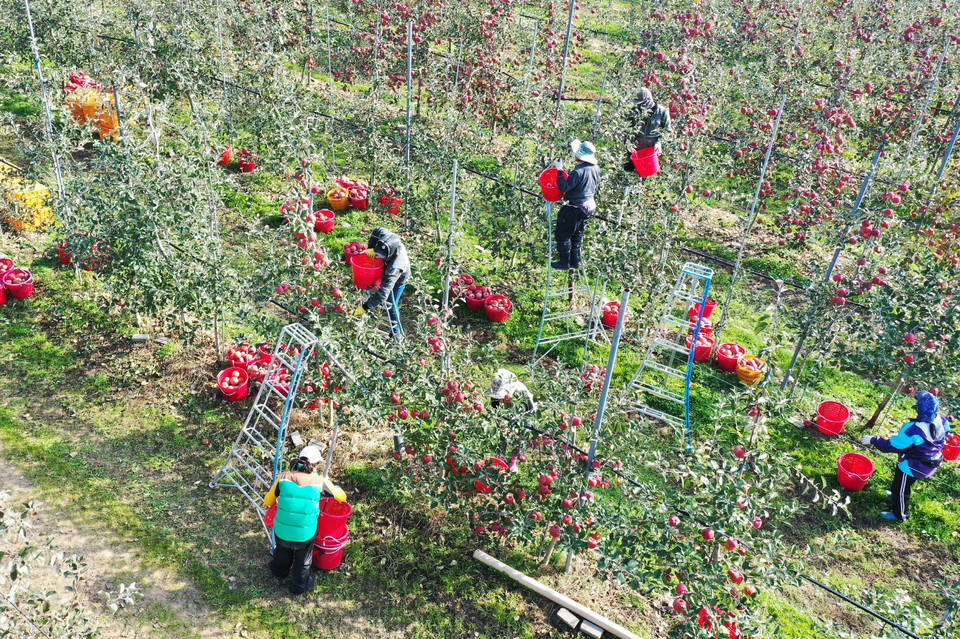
[[24, 205]]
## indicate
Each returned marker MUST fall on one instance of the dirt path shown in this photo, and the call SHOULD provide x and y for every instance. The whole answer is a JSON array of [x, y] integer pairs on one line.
[[168, 606]]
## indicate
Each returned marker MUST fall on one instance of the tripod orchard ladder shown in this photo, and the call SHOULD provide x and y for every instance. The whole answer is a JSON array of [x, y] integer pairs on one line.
[[561, 319], [254, 459], [662, 374]]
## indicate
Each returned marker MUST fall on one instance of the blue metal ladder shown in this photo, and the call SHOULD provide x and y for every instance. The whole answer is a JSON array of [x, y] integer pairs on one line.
[[662, 374]]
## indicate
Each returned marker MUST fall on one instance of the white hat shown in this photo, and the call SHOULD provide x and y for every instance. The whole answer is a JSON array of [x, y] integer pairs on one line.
[[311, 455], [498, 387], [584, 151]]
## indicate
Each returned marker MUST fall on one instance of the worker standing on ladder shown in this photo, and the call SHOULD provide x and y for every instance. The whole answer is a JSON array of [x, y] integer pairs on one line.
[[396, 273], [578, 189], [648, 122], [297, 492]]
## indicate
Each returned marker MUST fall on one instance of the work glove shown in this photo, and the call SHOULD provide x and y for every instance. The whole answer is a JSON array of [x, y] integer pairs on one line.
[[360, 311], [558, 164], [867, 440], [658, 148], [371, 253]]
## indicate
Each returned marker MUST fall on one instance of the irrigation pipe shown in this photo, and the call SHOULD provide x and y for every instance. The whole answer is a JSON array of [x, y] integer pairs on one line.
[[581, 611]]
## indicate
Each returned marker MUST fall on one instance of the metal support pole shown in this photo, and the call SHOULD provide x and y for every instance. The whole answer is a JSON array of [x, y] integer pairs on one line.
[[806, 329], [333, 144], [533, 51], [566, 51], [409, 91], [596, 114], [48, 125], [926, 103], [116, 105], [595, 435], [750, 218], [453, 218]]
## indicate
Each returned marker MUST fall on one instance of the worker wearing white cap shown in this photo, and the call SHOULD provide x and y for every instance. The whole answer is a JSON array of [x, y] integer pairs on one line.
[[505, 386], [578, 189], [297, 492]]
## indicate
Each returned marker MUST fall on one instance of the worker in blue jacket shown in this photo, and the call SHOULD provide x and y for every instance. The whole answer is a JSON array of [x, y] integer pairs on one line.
[[578, 189], [918, 445]]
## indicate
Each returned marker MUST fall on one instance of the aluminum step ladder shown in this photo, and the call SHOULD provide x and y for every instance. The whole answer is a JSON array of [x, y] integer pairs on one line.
[[660, 389], [253, 462], [562, 320]]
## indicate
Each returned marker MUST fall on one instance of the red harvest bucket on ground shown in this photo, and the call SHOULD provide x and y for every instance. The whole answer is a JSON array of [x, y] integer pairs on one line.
[[333, 517], [729, 362], [707, 310], [853, 470], [6, 265], [367, 270], [831, 416], [3, 295], [359, 203], [328, 550], [951, 448], [477, 304], [702, 352], [494, 312], [645, 161], [548, 184], [611, 310], [233, 394], [325, 221], [20, 289], [353, 248]]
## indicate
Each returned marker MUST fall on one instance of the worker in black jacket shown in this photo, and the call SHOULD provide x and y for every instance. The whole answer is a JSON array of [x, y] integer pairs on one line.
[[396, 273], [578, 189], [647, 122]]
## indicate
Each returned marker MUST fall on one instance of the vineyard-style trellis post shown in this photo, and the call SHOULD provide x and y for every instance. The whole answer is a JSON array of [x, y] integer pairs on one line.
[[750, 218], [333, 144], [566, 52]]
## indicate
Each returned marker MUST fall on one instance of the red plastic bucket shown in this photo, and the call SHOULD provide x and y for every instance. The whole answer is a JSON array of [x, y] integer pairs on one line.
[[645, 161], [270, 515], [706, 326], [65, 256], [611, 311], [367, 270], [831, 416], [6, 265], [548, 184], [359, 203], [702, 352], [22, 289], [328, 550], [333, 517], [3, 295], [233, 394], [707, 310], [476, 297], [729, 362], [353, 248], [325, 221], [951, 448], [497, 314], [853, 470]]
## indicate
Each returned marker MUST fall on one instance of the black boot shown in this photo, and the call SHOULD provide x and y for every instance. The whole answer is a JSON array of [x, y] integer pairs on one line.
[[563, 261], [575, 258]]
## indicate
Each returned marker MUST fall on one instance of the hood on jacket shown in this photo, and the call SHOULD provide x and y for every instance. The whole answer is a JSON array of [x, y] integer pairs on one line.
[[384, 243], [928, 407]]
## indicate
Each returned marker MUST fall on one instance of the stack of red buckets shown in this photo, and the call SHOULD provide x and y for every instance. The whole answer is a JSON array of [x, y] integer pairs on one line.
[[332, 533]]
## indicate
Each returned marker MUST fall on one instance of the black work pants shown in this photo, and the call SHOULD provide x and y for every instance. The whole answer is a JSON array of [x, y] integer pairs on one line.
[[571, 223], [299, 557], [900, 493]]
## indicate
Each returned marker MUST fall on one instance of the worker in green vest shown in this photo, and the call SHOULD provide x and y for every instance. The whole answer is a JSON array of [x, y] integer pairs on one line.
[[297, 492]]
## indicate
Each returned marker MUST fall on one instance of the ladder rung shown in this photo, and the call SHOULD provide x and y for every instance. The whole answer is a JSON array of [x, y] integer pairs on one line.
[[659, 392], [268, 415], [675, 321], [663, 369], [561, 338], [673, 346], [660, 415], [566, 314]]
